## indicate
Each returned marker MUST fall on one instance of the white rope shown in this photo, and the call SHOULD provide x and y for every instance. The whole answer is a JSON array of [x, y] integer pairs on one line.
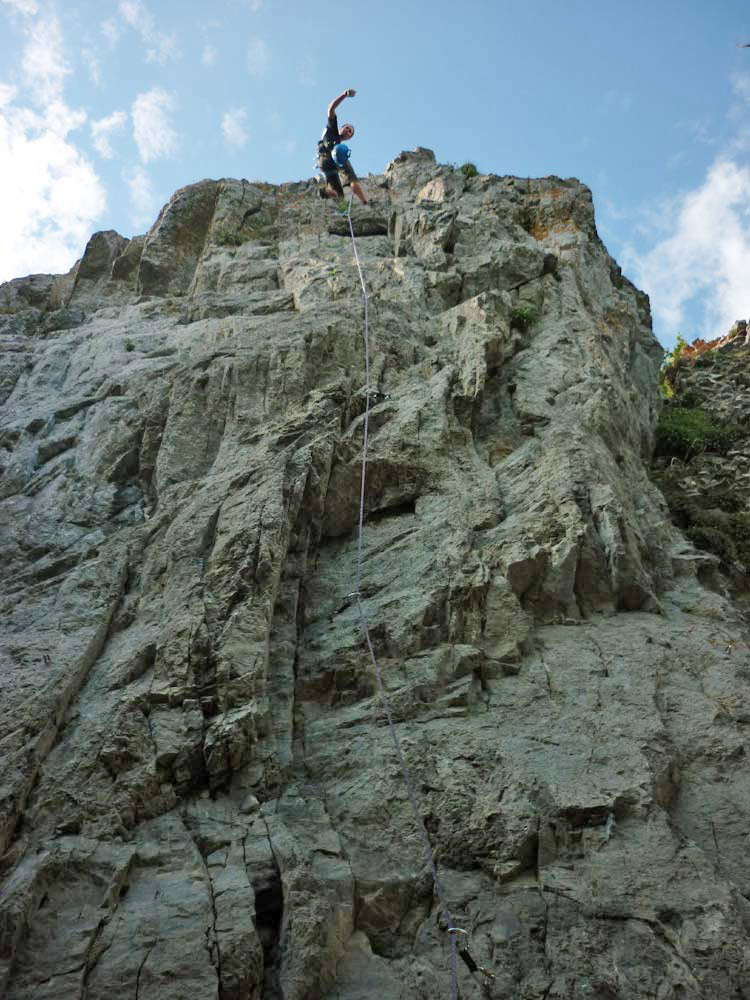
[[427, 847]]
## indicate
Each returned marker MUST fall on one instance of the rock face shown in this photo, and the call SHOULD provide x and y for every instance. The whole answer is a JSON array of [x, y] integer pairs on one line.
[[198, 796]]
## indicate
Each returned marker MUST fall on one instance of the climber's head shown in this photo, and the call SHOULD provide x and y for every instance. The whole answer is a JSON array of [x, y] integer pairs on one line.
[[346, 131]]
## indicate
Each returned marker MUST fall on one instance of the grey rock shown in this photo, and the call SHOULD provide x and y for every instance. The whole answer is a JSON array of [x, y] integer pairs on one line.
[[95, 267], [198, 793]]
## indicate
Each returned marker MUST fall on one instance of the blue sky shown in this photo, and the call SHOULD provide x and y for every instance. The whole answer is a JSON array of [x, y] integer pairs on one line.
[[106, 108]]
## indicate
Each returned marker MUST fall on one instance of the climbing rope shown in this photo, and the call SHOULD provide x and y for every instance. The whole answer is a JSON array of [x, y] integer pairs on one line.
[[451, 929]]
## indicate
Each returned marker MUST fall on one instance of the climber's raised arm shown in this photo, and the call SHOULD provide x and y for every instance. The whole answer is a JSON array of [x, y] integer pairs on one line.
[[337, 100]]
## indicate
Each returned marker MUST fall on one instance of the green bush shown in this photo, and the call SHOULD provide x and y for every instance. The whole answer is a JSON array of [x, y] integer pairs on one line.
[[670, 364], [672, 357], [741, 536], [714, 540], [469, 170], [684, 432], [521, 317]]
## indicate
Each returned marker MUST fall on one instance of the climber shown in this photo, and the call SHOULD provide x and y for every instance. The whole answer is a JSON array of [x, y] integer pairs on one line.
[[333, 155]]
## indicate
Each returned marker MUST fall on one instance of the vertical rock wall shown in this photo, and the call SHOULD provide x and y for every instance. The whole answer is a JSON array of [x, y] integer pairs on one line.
[[198, 797]]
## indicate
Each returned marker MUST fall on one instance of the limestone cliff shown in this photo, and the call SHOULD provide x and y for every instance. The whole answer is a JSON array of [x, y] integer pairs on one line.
[[198, 797]]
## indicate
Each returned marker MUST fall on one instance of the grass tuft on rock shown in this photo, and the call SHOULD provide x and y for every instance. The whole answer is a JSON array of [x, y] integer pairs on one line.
[[522, 317]]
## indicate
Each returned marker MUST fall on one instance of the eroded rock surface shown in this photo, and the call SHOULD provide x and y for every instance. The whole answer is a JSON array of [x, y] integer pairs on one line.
[[198, 794]]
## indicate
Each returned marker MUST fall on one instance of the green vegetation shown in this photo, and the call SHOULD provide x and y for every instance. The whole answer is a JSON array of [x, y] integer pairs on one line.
[[225, 239], [683, 432], [741, 534], [714, 540], [129, 345], [469, 170], [715, 516], [671, 358], [669, 367], [715, 521], [521, 317]]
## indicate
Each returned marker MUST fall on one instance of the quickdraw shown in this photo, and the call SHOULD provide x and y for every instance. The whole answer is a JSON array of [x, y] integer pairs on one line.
[[469, 961]]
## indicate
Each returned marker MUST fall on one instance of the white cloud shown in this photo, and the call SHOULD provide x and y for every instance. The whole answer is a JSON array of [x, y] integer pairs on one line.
[[50, 197], [91, 60], [7, 94], [102, 130], [702, 130], [258, 57], [143, 202], [23, 6], [60, 119], [159, 47], [233, 127], [162, 49], [705, 257], [42, 62], [111, 31], [152, 130], [133, 12], [208, 58]]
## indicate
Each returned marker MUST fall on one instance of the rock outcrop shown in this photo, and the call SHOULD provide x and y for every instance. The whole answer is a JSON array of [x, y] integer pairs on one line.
[[703, 452], [198, 795]]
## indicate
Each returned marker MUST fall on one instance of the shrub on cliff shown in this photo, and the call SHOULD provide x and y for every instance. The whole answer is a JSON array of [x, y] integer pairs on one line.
[[669, 366], [683, 432]]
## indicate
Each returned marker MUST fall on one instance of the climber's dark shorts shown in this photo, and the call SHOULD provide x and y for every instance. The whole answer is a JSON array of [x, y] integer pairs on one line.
[[331, 172]]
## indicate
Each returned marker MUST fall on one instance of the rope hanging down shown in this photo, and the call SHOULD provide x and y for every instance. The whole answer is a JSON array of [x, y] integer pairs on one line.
[[452, 930]]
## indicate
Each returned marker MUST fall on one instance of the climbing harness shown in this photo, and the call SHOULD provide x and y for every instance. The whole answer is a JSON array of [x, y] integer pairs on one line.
[[372, 394]]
